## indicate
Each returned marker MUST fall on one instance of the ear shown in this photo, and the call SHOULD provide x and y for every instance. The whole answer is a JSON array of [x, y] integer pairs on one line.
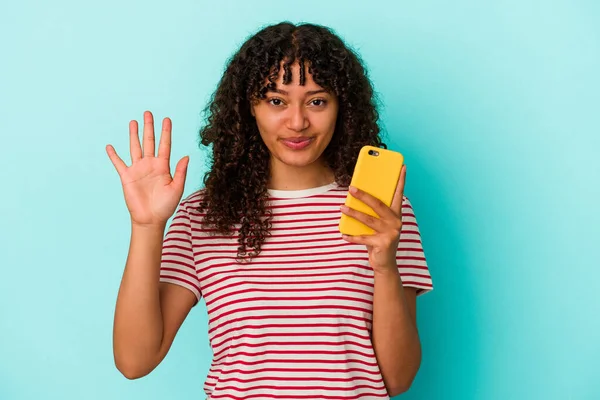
[[252, 103]]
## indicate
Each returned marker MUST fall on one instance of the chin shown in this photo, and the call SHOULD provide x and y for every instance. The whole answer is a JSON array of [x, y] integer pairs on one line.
[[298, 160]]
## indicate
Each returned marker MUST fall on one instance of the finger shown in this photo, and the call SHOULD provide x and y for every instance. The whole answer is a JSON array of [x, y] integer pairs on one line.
[[399, 195], [135, 149], [372, 222], [362, 239], [181, 172], [164, 147], [380, 208], [116, 160], [148, 134]]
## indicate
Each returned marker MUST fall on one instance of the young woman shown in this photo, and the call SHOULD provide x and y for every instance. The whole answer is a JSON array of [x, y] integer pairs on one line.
[[295, 310]]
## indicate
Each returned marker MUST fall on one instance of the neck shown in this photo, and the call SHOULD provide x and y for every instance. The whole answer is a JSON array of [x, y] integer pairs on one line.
[[287, 177]]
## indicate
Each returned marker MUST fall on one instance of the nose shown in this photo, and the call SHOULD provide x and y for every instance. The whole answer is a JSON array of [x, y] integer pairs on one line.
[[298, 120]]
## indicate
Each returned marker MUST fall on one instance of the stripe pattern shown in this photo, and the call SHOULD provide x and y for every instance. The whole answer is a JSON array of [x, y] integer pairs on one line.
[[295, 322]]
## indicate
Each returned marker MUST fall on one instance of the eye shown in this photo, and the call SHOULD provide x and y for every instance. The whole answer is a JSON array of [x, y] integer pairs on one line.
[[275, 101], [318, 102]]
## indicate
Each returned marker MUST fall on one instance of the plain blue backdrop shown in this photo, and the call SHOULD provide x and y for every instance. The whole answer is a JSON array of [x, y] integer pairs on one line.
[[495, 106]]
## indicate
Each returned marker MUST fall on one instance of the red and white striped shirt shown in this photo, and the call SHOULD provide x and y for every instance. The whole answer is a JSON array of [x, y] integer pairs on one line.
[[295, 322]]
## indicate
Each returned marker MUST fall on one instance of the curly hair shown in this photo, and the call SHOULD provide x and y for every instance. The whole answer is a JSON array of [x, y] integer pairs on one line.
[[235, 192]]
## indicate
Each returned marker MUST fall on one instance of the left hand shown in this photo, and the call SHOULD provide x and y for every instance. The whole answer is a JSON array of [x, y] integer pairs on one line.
[[383, 244]]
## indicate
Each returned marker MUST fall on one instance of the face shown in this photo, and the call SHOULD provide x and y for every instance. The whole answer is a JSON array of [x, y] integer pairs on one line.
[[296, 122]]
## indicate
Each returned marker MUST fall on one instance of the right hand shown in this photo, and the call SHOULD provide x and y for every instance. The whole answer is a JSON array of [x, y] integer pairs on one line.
[[151, 194]]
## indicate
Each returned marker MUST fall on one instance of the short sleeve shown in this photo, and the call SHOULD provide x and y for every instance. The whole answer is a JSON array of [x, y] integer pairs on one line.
[[177, 262], [410, 256]]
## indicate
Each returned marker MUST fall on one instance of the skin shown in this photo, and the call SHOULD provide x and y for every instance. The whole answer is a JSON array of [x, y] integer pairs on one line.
[[148, 313], [302, 112]]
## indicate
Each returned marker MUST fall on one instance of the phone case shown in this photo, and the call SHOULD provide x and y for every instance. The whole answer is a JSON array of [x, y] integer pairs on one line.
[[377, 175]]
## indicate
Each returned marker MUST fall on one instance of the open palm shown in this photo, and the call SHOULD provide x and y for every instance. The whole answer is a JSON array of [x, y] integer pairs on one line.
[[151, 193]]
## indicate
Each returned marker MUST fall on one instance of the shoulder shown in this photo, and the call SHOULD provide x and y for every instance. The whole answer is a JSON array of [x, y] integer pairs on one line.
[[191, 203]]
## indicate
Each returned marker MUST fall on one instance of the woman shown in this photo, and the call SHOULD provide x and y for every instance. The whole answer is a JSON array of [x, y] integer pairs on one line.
[[295, 309]]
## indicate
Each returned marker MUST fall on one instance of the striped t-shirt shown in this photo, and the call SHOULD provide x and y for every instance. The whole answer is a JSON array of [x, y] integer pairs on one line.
[[295, 322]]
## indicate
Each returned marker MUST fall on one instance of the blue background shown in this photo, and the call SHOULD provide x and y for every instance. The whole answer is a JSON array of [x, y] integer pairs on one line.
[[495, 105]]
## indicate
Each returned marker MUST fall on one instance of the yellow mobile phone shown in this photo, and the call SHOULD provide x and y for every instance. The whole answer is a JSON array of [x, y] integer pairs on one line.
[[376, 172]]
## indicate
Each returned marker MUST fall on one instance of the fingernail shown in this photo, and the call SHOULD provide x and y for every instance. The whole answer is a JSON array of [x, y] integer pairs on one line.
[[344, 207], [353, 189]]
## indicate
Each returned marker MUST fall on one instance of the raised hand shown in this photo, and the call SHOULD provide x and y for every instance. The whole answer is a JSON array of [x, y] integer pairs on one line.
[[151, 193]]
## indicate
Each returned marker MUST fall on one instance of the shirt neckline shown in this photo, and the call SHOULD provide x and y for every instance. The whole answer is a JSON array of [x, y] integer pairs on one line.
[[294, 194]]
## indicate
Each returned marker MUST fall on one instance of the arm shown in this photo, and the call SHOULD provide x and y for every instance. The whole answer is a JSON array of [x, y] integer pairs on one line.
[[395, 335], [148, 313]]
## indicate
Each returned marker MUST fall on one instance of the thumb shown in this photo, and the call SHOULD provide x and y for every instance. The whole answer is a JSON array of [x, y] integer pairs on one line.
[[181, 172]]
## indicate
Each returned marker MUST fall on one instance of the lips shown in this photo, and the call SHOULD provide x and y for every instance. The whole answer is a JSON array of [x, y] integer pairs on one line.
[[297, 139], [297, 143]]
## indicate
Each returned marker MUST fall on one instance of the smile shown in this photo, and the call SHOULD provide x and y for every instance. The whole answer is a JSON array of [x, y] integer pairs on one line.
[[297, 143]]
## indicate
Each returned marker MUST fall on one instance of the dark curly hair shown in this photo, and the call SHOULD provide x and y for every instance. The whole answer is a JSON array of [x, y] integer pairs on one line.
[[235, 190]]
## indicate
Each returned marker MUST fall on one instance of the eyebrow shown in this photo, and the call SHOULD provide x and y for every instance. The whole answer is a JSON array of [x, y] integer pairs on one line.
[[310, 93]]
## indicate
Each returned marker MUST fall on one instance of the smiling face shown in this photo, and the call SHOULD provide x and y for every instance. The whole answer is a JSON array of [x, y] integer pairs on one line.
[[296, 122]]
